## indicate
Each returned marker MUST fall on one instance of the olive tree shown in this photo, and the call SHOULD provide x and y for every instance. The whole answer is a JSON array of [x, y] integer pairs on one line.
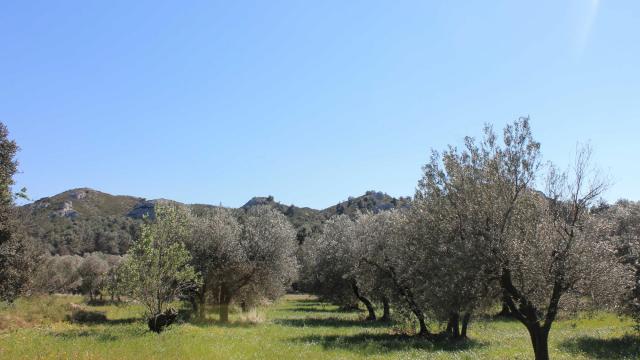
[[549, 253], [534, 243], [212, 244], [377, 244], [394, 258], [92, 271], [114, 282], [158, 264], [445, 250], [336, 255], [58, 274], [244, 260]]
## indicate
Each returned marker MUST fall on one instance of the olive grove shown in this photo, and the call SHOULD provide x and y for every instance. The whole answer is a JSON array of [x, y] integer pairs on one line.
[[489, 224]]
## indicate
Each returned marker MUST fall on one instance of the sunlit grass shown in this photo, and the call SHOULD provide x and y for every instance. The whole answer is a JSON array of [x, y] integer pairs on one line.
[[297, 327]]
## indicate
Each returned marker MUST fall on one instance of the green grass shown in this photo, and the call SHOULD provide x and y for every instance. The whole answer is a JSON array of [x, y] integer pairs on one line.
[[298, 327]]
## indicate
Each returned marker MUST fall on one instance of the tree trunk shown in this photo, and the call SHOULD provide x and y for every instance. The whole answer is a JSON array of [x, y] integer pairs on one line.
[[224, 312], [465, 324], [540, 341], [367, 303], [408, 297], [202, 299], [386, 315], [526, 313], [424, 331], [225, 300], [505, 312], [453, 326], [194, 305]]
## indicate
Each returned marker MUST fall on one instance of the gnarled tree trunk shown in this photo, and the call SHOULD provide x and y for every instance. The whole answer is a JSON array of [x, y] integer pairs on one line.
[[527, 314], [367, 303]]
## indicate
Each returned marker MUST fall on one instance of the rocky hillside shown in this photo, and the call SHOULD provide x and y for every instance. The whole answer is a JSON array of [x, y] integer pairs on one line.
[[82, 202], [86, 220]]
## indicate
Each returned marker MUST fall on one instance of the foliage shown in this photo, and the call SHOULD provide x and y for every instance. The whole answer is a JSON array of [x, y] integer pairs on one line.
[[157, 266], [332, 262], [245, 260], [92, 271], [619, 225], [17, 255]]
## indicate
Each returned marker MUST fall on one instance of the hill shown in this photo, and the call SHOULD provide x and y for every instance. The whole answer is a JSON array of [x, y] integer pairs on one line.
[[86, 220]]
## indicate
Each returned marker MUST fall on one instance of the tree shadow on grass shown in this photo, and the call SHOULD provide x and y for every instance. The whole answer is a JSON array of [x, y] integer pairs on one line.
[[97, 317], [309, 301], [216, 323], [99, 334], [320, 310], [363, 343], [626, 347], [330, 322]]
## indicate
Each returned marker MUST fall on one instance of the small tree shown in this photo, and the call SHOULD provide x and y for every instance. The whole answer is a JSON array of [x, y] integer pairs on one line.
[[157, 265], [114, 282], [92, 270]]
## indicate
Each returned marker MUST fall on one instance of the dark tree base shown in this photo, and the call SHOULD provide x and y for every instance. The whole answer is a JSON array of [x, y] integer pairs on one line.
[[157, 323]]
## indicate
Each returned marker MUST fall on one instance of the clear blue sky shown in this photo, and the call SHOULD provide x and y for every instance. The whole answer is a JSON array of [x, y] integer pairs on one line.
[[310, 101]]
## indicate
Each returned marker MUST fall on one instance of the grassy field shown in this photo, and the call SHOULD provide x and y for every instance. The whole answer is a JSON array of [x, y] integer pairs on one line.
[[298, 327]]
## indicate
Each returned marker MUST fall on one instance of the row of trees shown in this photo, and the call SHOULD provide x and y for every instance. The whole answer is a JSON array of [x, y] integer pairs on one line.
[[486, 225], [94, 275], [78, 235], [220, 257]]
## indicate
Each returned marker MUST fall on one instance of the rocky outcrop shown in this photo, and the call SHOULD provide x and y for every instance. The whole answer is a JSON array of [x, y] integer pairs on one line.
[[79, 194], [259, 200], [66, 210], [142, 209]]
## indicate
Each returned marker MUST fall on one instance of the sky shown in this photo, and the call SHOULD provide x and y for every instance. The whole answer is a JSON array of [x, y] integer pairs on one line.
[[308, 101]]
